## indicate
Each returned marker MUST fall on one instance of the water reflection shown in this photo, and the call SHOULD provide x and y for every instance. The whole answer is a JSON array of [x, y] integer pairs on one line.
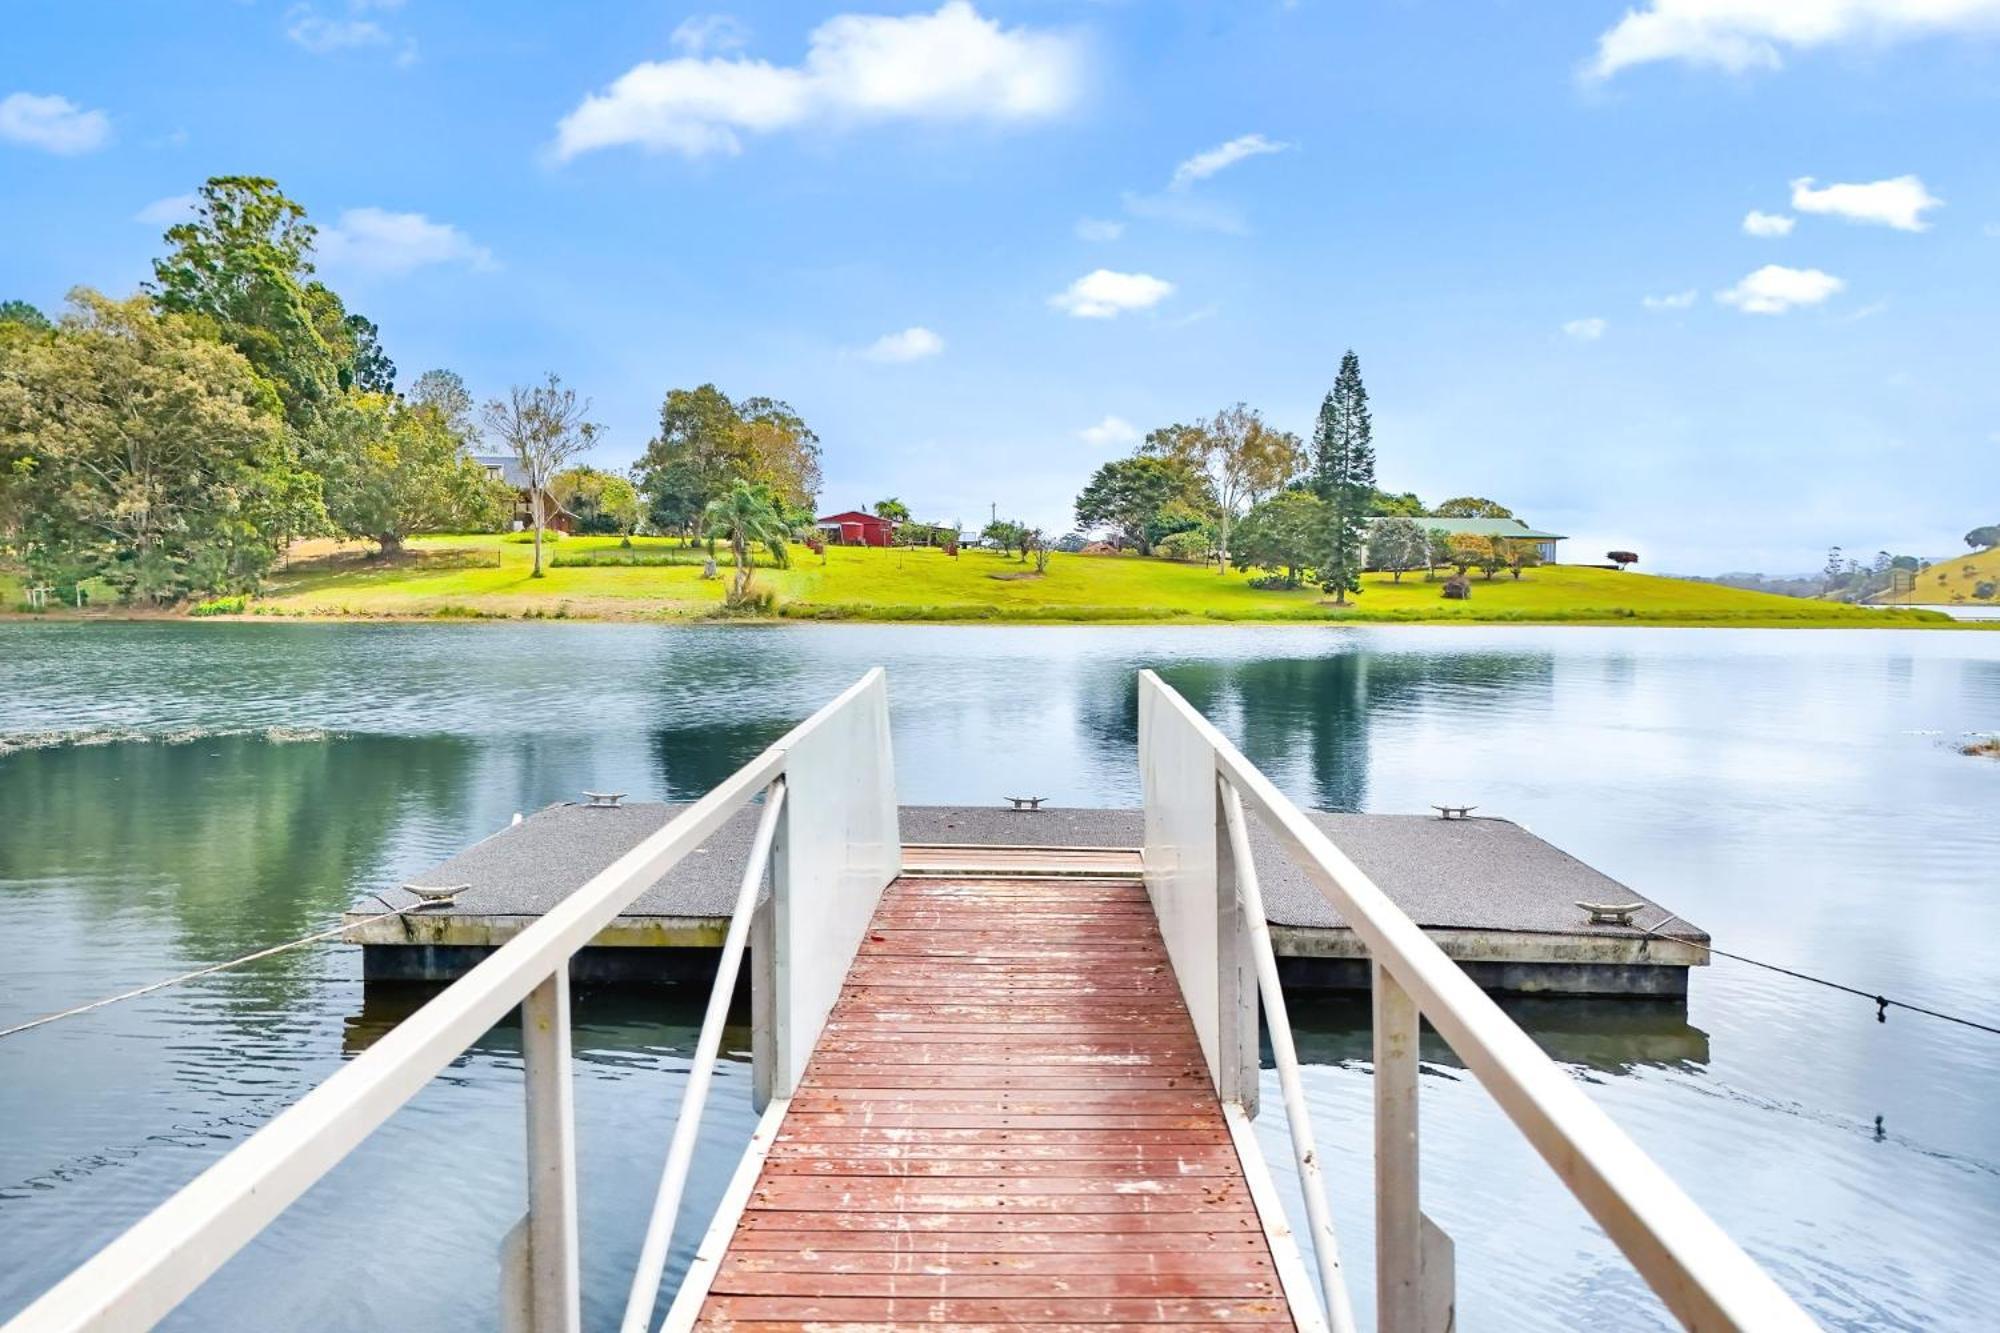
[[1605, 1036]]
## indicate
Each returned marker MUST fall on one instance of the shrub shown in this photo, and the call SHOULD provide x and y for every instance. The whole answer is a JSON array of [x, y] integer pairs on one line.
[[1984, 589], [526, 536], [220, 606], [1190, 545]]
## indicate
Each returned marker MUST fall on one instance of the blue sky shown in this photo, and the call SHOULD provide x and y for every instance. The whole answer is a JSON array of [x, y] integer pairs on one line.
[[888, 214]]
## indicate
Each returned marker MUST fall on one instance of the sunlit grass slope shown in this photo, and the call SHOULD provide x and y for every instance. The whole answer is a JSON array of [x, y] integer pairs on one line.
[[482, 576]]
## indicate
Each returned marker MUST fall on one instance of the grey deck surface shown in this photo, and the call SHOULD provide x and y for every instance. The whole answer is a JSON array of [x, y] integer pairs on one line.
[[1473, 874]]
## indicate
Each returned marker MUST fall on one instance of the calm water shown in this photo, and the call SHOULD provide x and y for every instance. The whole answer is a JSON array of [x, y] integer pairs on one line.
[[172, 795]]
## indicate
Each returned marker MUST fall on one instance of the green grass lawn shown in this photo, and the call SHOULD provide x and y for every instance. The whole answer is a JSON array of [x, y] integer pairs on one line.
[[484, 576]]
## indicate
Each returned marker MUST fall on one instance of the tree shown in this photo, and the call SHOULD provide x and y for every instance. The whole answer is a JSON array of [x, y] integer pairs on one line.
[[544, 426], [137, 449], [1242, 459], [1486, 554], [1404, 504], [1285, 534], [25, 315], [892, 509], [369, 368], [1437, 543], [443, 392], [245, 261], [1344, 477], [1833, 576], [1622, 558], [599, 501], [390, 470], [1981, 538], [747, 513], [706, 444], [1520, 553], [1471, 506], [1007, 535], [1397, 545], [1127, 494]]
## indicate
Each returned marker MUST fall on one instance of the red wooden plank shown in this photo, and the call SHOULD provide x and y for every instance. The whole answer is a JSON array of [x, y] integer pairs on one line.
[[1173, 1310], [986, 1263], [1007, 1122], [1166, 1246], [1189, 1282]]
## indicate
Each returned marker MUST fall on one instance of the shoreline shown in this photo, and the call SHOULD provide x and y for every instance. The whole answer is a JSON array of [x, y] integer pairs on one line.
[[1936, 621]]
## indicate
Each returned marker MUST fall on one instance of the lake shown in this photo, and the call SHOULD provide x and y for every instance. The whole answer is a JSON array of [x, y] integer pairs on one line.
[[176, 794]]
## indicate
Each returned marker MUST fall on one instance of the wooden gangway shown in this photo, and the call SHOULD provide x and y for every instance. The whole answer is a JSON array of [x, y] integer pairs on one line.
[[996, 1089], [1007, 1121]]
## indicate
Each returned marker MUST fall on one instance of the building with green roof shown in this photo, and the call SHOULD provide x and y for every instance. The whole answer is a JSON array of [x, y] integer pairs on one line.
[[1508, 529]]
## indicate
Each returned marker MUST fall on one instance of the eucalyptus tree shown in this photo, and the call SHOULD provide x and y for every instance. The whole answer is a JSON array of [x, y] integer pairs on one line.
[[1242, 458], [543, 426]]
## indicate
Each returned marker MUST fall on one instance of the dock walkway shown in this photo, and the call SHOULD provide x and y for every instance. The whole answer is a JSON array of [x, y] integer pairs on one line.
[[1007, 1121]]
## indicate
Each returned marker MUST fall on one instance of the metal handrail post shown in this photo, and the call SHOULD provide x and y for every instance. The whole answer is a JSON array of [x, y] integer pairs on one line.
[[1298, 1119], [645, 1291]]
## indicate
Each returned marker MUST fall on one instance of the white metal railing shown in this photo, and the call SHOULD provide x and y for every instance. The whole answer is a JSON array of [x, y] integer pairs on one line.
[[829, 830], [1205, 892]]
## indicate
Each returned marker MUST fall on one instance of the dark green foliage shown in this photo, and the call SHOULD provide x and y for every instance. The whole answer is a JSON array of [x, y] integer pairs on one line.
[[1286, 534], [24, 314], [1128, 495], [1402, 505], [1981, 538], [244, 262], [368, 369], [1344, 477], [1472, 506], [707, 444]]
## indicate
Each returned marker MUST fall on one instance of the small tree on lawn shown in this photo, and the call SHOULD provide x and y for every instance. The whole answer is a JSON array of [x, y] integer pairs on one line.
[[747, 513], [1437, 551], [1622, 558], [544, 427], [1285, 534], [1522, 554], [1397, 545]]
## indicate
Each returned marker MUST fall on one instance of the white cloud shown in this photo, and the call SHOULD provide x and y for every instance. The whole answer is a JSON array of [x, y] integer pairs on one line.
[[1585, 330], [710, 32], [1899, 202], [52, 124], [1768, 224], [1774, 289], [1738, 35], [1109, 433], [912, 344], [1098, 229], [168, 211], [1671, 301], [949, 65], [1185, 208], [1103, 294], [325, 36], [1205, 164], [378, 241]]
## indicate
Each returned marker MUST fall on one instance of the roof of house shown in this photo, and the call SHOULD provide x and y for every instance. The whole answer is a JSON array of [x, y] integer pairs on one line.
[[510, 468], [1483, 527], [852, 516]]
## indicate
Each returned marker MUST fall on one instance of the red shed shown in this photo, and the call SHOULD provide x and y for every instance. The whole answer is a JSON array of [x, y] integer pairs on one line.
[[854, 528]]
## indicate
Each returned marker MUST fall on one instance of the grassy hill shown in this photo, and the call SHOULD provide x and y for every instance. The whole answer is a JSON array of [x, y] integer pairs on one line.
[[483, 576], [1953, 581]]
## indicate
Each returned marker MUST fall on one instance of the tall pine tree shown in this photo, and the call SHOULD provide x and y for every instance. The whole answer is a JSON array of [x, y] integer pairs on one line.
[[1344, 477]]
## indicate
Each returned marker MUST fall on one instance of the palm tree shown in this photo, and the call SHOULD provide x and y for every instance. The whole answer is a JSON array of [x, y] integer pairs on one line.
[[747, 514]]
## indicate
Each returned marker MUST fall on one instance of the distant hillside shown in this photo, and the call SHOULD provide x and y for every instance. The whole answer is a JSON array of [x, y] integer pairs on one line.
[[1953, 580]]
